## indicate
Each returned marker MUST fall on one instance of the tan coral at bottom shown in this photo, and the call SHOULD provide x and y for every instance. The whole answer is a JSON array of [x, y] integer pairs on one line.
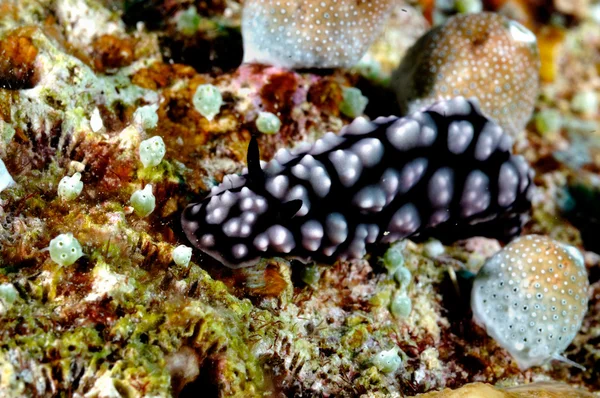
[[534, 390]]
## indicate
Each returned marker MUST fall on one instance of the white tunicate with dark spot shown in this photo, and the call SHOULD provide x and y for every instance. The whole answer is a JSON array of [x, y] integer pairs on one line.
[[404, 134], [508, 181], [441, 186], [312, 235], [476, 196], [411, 174], [369, 150], [460, 135], [336, 228], [347, 165], [371, 198]]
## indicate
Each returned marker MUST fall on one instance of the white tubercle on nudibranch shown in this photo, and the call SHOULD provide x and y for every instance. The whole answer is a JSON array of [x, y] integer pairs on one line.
[[531, 297]]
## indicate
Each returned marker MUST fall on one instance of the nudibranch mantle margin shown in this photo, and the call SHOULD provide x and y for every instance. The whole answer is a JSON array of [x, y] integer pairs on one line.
[[446, 169]]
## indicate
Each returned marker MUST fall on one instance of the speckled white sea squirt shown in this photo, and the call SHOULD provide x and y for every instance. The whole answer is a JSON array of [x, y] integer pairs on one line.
[[531, 297]]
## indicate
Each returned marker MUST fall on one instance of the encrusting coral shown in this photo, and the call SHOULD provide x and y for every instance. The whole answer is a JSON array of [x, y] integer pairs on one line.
[[486, 56], [531, 297], [310, 34]]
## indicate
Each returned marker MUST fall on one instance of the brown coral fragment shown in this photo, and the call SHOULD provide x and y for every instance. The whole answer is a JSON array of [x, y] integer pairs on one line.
[[17, 58], [111, 52]]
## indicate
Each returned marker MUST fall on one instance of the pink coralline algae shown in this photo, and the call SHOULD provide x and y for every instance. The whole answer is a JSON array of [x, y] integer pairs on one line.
[[310, 34], [485, 56]]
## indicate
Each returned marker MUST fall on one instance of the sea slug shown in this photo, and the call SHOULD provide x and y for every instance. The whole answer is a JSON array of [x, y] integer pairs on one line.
[[446, 170]]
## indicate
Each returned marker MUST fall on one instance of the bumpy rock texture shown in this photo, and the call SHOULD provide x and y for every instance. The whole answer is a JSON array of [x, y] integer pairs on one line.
[[125, 319]]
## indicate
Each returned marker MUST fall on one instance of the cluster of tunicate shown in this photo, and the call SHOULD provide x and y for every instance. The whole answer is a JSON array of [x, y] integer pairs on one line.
[[393, 260], [70, 187], [143, 201], [446, 169], [152, 151], [182, 255], [207, 100], [65, 249], [387, 361], [310, 33], [353, 102], [531, 297], [485, 56], [268, 123]]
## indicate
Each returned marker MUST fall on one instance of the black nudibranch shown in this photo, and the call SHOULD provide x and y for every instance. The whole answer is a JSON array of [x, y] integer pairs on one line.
[[446, 171]]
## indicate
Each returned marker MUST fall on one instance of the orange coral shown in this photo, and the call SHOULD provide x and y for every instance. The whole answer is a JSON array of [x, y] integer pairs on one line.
[[17, 58], [110, 52]]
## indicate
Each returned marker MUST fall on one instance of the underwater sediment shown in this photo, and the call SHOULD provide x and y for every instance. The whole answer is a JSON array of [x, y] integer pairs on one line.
[[114, 116]]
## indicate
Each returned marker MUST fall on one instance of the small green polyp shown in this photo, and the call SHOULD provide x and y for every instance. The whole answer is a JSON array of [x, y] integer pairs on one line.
[[387, 361], [268, 123], [70, 187], [182, 255], [353, 103], [65, 249], [207, 100], [143, 201]]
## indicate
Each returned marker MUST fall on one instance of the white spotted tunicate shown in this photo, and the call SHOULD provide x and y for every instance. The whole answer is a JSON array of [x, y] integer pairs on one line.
[[70, 187], [152, 151], [182, 255], [531, 297], [207, 100], [65, 249], [310, 33], [143, 201]]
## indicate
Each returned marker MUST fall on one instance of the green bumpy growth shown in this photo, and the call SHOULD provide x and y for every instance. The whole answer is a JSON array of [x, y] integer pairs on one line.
[[65, 249], [207, 100], [353, 103], [143, 201], [268, 123], [152, 151], [70, 187]]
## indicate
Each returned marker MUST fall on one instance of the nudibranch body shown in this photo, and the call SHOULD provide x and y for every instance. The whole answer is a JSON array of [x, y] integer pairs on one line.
[[445, 169], [311, 33], [486, 56]]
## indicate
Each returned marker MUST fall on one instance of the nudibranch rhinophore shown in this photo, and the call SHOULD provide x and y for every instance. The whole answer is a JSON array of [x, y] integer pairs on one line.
[[446, 169], [486, 56], [311, 33]]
